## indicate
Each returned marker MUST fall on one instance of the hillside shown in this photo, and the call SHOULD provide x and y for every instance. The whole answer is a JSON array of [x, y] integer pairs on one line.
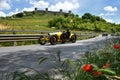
[[34, 22], [46, 21], [2, 27], [87, 22]]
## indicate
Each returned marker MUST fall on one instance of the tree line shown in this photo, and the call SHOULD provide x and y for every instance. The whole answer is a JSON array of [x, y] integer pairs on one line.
[[86, 22]]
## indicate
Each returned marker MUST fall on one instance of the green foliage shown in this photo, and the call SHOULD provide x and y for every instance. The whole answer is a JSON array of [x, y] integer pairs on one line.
[[60, 22], [86, 22], [41, 59], [57, 22], [24, 76], [19, 15], [87, 16], [41, 21]]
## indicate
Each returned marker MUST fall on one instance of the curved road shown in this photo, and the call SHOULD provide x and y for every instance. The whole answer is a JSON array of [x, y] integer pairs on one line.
[[21, 57]]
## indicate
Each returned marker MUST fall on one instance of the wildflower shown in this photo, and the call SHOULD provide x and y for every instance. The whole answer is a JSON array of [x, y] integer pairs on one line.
[[97, 73], [106, 65], [87, 68], [116, 46]]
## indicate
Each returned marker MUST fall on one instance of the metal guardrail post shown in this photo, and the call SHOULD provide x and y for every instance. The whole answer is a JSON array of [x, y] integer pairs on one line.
[[14, 32], [14, 43]]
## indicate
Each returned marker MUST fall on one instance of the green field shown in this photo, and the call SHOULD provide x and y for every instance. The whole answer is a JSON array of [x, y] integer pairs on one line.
[[34, 22]]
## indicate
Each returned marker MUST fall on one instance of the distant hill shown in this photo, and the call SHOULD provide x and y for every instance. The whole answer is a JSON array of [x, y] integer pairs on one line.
[[46, 20], [32, 20]]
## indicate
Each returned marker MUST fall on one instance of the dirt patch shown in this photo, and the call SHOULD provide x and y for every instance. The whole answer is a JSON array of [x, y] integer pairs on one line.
[[2, 27]]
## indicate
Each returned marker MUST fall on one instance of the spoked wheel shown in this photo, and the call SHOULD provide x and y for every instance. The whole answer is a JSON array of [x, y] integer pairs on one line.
[[53, 40], [73, 39], [63, 38], [42, 40]]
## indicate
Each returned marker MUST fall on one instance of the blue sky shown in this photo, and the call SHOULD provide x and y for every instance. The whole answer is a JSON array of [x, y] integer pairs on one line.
[[107, 9]]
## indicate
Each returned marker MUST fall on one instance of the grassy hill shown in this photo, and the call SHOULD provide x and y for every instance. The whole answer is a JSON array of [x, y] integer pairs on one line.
[[34, 22], [43, 21]]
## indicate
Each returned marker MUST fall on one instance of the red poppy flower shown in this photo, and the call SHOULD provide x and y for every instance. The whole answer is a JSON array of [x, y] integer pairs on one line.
[[116, 46], [106, 65], [87, 68], [97, 73]]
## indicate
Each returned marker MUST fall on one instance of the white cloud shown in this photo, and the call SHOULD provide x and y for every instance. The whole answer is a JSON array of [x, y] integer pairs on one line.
[[110, 9], [13, 12], [16, 10], [109, 20], [10, 13], [74, 0], [106, 14], [2, 14], [39, 4], [101, 14], [65, 6], [28, 9], [4, 5], [110, 14], [61, 4]]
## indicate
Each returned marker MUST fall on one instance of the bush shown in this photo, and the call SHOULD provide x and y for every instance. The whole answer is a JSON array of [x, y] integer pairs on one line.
[[75, 22], [19, 15]]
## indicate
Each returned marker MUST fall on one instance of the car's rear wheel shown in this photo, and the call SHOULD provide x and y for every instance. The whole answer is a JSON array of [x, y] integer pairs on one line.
[[63, 38], [42, 40], [53, 40], [73, 38]]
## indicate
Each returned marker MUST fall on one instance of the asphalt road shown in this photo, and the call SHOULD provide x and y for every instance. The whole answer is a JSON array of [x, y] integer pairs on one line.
[[22, 57]]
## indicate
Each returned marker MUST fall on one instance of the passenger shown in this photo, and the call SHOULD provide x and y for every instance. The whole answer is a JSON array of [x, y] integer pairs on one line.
[[68, 33]]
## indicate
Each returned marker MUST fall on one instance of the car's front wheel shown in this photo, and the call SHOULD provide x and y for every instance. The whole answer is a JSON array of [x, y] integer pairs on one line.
[[42, 40]]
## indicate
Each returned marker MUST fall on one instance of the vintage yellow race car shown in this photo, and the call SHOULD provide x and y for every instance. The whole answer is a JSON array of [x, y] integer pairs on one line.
[[57, 37]]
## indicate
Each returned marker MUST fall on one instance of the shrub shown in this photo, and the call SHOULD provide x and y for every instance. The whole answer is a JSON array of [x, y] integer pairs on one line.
[[19, 15]]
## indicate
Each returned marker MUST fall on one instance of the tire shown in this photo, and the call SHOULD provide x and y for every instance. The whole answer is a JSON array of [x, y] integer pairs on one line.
[[63, 38], [73, 39], [42, 40], [53, 40]]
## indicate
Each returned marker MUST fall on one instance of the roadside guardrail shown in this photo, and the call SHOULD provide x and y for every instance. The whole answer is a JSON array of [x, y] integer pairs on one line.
[[14, 37]]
